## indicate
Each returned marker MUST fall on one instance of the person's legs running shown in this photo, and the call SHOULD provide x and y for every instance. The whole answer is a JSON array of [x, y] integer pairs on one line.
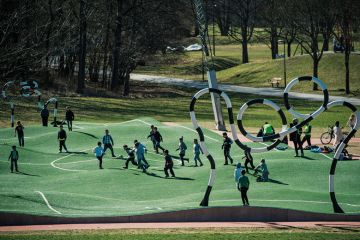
[[245, 196], [265, 176], [308, 139], [226, 157], [242, 195], [112, 150], [182, 159], [296, 148], [22, 141], [172, 171], [12, 165], [166, 171], [106, 146], [100, 162]]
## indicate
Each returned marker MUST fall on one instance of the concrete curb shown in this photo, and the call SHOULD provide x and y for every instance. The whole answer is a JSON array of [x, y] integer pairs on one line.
[[210, 214]]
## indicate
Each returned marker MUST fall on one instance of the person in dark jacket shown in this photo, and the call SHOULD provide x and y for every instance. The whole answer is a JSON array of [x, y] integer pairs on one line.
[[248, 159], [69, 117], [62, 139], [151, 136], [157, 138], [295, 137], [45, 116], [131, 156], [168, 164], [19, 130], [243, 187], [14, 157], [226, 147], [108, 142]]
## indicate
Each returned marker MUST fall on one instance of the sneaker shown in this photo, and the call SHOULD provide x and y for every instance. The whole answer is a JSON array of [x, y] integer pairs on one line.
[[201, 165], [195, 165], [296, 155], [173, 176], [302, 155], [167, 176], [226, 164], [125, 167]]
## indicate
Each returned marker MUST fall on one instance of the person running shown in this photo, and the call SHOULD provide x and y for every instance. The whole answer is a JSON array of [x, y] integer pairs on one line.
[[243, 187], [140, 151], [295, 137], [99, 153], [338, 134], [197, 151], [45, 116], [169, 164], [62, 139], [69, 117], [182, 150], [151, 136], [130, 157], [19, 131], [226, 147], [108, 142], [264, 171], [237, 172], [248, 160], [268, 129], [307, 135], [13, 158], [158, 138]]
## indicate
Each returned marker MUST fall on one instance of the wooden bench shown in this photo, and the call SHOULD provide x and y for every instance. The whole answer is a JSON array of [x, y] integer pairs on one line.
[[275, 82]]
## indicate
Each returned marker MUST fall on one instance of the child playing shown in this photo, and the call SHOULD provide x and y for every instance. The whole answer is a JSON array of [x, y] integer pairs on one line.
[[243, 187], [140, 155], [264, 169], [182, 149], [168, 164], [131, 156], [237, 172], [99, 153], [197, 151], [226, 147], [14, 157], [19, 130], [248, 159]]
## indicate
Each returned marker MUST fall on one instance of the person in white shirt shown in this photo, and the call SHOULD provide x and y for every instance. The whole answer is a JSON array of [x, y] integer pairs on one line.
[[351, 122], [338, 134], [99, 153]]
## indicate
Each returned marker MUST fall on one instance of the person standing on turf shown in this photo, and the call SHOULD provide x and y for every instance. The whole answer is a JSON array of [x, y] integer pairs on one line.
[[243, 187], [62, 139], [295, 137], [131, 156], [226, 147], [45, 116], [99, 153], [338, 134], [237, 172], [307, 135], [13, 158], [248, 159], [151, 136], [182, 150], [197, 151], [158, 138], [140, 155], [19, 130], [268, 129], [168, 164], [69, 116], [108, 142]]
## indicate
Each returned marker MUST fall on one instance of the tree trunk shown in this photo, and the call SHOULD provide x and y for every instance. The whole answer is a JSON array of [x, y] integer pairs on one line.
[[47, 42], [289, 49], [126, 90], [82, 49], [117, 45], [244, 43], [274, 42], [347, 72], [315, 72], [106, 44]]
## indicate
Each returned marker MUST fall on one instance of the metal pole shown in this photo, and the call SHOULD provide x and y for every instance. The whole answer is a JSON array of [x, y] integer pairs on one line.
[[284, 64]]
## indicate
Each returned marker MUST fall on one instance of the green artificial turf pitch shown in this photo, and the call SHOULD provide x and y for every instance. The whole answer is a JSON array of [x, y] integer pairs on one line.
[[74, 186]]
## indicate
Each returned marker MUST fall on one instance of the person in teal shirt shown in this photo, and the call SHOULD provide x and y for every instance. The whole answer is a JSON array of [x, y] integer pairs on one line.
[[264, 170], [243, 187]]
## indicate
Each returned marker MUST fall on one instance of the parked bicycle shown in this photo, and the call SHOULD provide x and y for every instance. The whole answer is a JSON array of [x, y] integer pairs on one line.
[[328, 136]]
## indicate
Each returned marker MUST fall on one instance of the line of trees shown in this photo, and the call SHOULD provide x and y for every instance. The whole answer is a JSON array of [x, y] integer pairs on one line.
[[103, 41]]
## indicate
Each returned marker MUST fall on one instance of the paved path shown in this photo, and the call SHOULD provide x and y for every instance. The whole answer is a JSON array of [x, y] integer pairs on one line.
[[272, 92], [180, 225]]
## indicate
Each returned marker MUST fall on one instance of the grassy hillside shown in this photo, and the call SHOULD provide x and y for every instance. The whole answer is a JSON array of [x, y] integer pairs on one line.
[[260, 69]]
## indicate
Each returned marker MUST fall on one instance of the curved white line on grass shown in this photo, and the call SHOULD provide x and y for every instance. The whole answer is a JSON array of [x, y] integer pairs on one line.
[[47, 203], [64, 169], [93, 160], [269, 145], [326, 156]]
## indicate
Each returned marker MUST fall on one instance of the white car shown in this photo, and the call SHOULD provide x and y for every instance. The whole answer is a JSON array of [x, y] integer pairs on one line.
[[194, 47]]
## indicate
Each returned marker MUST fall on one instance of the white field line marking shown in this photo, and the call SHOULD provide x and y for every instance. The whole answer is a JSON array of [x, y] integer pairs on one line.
[[215, 140], [269, 145], [64, 169], [47, 203], [65, 163], [326, 156]]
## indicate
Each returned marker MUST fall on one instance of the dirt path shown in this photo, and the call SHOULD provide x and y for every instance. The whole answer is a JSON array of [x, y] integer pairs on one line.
[[179, 225]]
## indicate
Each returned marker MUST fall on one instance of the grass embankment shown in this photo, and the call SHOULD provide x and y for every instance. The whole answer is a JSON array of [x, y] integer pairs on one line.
[[260, 69], [249, 234]]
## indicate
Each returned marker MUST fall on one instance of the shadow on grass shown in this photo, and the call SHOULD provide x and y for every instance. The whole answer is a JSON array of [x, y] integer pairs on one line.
[[88, 134], [27, 174], [176, 178], [80, 153], [277, 182]]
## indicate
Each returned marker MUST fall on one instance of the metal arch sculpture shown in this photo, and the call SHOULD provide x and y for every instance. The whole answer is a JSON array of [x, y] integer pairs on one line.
[[55, 102], [279, 136], [26, 89]]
